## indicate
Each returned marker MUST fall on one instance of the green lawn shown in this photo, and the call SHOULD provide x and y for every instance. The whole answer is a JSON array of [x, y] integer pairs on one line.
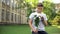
[[24, 29]]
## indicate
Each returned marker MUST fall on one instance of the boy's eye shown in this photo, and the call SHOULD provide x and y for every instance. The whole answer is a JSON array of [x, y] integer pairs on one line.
[[39, 8]]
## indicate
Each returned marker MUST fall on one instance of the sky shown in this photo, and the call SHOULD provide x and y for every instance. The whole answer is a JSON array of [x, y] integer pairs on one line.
[[54, 1]]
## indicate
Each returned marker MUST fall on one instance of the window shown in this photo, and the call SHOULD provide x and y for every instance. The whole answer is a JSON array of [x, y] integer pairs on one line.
[[3, 1], [12, 17], [15, 17], [7, 15], [2, 14], [8, 2]]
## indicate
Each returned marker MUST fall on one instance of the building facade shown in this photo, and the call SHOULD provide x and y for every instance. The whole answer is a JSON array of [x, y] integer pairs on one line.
[[10, 15], [23, 16]]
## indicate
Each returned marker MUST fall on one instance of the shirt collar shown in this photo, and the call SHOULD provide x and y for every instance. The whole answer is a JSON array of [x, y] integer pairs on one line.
[[39, 13]]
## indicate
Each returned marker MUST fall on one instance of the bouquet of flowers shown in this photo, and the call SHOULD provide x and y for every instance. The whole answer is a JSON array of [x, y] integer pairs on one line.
[[36, 19]]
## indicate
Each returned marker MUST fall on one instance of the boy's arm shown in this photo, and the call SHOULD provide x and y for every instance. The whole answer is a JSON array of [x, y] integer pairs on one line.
[[45, 21], [30, 24]]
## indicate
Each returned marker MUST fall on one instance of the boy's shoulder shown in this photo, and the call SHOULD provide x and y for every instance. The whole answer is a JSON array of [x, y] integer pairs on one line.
[[43, 13], [34, 13]]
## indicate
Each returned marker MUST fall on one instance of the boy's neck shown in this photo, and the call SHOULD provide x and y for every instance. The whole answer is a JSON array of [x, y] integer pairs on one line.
[[39, 12]]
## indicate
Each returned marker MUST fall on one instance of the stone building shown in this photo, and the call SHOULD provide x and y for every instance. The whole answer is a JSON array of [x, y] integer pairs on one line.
[[10, 15]]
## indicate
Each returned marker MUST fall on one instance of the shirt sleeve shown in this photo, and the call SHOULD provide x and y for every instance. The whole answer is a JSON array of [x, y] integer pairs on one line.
[[31, 16], [45, 17]]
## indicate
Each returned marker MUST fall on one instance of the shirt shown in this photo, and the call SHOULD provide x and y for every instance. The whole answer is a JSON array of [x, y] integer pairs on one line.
[[41, 25]]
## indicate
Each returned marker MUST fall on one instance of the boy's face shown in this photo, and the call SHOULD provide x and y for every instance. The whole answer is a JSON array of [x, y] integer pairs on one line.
[[39, 9]]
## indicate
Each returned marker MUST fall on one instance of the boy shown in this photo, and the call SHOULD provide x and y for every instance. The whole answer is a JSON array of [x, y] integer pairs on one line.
[[40, 29]]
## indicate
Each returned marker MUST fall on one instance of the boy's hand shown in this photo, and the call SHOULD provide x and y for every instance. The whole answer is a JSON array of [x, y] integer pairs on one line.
[[35, 30], [42, 19]]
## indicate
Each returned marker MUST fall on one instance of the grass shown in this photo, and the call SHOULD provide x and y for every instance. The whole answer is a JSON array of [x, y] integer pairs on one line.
[[24, 29]]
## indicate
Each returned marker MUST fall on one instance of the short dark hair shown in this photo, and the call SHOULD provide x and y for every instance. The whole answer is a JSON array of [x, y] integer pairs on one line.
[[39, 5]]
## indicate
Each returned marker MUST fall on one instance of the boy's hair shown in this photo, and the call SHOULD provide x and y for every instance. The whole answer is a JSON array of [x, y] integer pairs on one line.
[[39, 5]]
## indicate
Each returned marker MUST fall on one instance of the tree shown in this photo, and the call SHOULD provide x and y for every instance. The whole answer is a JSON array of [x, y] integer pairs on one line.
[[30, 5], [56, 20], [49, 9]]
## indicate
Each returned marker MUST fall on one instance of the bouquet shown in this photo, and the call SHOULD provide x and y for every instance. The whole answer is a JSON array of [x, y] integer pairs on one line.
[[37, 20]]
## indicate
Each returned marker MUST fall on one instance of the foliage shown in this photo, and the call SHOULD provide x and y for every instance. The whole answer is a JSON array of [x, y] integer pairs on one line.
[[49, 10], [56, 20], [30, 5]]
